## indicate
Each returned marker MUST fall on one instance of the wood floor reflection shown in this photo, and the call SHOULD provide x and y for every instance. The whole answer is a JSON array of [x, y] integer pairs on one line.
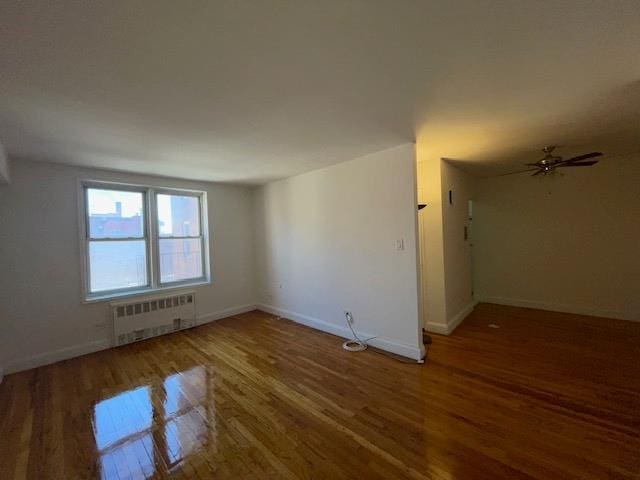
[[544, 396]]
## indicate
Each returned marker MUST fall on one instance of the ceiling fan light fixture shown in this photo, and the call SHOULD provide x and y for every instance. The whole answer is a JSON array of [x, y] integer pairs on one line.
[[548, 164]]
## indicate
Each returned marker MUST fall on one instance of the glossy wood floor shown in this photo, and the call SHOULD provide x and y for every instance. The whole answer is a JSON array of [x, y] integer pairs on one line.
[[544, 396]]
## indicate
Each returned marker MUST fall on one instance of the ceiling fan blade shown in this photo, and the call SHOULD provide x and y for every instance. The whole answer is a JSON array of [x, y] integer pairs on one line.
[[519, 171], [579, 164], [538, 173], [582, 157]]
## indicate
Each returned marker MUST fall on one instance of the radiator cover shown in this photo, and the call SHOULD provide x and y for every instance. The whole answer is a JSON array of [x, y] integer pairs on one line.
[[152, 316]]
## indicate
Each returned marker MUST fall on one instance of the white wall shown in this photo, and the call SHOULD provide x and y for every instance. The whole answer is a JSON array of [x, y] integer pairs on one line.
[[434, 308], [457, 250], [326, 242], [568, 243], [4, 166], [42, 317], [444, 253]]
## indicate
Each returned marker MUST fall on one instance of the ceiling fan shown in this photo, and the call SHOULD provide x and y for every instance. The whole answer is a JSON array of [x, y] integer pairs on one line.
[[550, 162]]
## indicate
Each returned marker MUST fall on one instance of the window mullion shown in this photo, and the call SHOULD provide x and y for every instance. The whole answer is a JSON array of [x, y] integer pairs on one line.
[[152, 226], [146, 234]]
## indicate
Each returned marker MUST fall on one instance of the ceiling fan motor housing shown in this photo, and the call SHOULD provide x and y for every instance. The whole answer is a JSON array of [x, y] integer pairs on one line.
[[549, 162]]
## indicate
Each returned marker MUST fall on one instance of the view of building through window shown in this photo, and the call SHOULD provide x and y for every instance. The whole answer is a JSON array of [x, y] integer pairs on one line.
[[117, 243], [179, 227]]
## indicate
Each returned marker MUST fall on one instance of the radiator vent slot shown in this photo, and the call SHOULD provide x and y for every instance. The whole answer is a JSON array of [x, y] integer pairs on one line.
[[142, 319]]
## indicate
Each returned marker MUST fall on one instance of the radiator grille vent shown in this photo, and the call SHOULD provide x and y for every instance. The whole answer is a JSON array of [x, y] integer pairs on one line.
[[153, 305], [139, 320]]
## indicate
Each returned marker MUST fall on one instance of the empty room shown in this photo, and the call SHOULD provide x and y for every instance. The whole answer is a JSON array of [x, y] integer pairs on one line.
[[338, 239]]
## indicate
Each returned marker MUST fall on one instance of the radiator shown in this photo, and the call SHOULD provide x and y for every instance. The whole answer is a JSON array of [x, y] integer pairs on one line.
[[136, 320]]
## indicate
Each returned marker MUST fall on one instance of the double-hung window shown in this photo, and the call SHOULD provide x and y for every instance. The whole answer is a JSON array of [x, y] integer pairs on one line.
[[139, 239]]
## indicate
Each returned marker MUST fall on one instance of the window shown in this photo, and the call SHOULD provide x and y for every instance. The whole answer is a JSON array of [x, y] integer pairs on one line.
[[140, 239], [180, 237]]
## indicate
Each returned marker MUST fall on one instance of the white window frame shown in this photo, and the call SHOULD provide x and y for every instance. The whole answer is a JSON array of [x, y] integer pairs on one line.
[[151, 235]]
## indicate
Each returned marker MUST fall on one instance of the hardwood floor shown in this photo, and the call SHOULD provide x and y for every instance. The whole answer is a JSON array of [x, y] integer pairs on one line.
[[546, 395]]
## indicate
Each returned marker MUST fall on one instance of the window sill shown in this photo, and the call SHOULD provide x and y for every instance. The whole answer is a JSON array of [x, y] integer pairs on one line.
[[145, 292]]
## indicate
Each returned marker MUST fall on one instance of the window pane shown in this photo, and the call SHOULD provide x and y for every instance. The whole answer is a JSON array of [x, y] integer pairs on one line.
[[180, 259], [115, 214], [178, 216], [117, 264]]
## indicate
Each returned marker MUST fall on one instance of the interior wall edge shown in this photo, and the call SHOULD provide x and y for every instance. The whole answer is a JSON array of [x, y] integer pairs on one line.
[[393, 346]]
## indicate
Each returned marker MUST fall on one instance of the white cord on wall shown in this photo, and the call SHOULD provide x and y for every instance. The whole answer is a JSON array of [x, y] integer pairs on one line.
[[354, 345]]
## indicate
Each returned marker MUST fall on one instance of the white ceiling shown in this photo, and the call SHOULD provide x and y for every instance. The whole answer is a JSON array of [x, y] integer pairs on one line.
[[250, 91]]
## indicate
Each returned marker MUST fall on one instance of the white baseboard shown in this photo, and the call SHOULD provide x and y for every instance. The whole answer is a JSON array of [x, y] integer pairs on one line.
[[227, 312], [440, 328], [562, 307], [447, 329], [386, 344], [41, 359], [33, 361], [461, 315]]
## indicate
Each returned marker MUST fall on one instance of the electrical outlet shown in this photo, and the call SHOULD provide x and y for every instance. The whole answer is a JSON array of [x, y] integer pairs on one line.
[[348, 316], [400, 244]]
